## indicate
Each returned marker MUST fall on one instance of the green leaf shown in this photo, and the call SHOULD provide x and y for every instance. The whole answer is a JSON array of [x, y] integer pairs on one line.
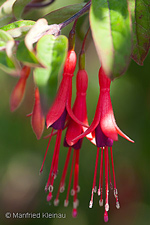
[[18, 8], [62, 14], [111, 29], [18, 28], [7, 65], [7, 59], [6, 11], [4, 38], [25, 56], [140, 10], [52, 52]]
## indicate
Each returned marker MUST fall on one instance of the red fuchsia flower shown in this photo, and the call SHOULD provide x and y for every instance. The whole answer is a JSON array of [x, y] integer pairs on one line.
[[37, 117], [73, 130], [58, 114], [19, 90], [104, 130]]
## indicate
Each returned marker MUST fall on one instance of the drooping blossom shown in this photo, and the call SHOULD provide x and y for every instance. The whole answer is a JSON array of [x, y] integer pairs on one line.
[[73, 130], [37, 117], [104, 130], [58, 114], [19, 90]]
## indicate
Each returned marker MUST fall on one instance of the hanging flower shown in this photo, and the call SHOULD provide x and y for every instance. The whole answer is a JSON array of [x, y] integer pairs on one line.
[[73, 130], [37, 118], [104, 130], [19, 90]]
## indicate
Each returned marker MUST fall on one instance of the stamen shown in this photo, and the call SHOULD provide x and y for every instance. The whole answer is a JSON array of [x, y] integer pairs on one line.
[[100, 189], [70, 178], [111, 185], [115, 189], [75, 185], [62, 181], [106, 178], [54, 167], [76, 174], [94, 180], [46, 151]]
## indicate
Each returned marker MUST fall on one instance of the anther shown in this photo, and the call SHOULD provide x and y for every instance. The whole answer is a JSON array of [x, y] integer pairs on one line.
[[62, 188], [75, 204], [107, 207], [72, 192], [66, 203], [117, 205], [91, 204], [101, 202], [56, 202], [50, 188]]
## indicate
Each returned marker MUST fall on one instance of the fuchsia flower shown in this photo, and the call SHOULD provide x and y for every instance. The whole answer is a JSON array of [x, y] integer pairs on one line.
[[73, 130], [19, 90], [37, 117], [58, 114], [104, 130]]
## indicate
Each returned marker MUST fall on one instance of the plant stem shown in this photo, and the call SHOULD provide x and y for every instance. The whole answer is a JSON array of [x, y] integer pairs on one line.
[[77, 15]]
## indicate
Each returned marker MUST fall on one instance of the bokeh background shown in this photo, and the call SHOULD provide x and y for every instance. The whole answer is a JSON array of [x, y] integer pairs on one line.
[[21, 155]]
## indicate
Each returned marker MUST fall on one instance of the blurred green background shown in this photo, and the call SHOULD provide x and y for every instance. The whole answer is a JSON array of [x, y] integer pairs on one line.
[[21, 187]]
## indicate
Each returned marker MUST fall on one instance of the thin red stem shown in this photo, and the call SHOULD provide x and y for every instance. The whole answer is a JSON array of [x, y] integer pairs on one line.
[[113, 169], [46, 151], [70, 178], [94, 179], [58, 138], [62, 181]]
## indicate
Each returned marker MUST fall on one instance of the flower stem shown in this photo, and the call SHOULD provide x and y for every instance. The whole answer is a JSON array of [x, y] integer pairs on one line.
[[77, 15]]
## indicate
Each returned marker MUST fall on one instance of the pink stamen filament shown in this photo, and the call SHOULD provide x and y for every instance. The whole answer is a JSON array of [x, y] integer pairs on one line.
[[106, 178], [94, 180], [46, 151], [100, 190], [115, 189], [75, 185], [70, 178], [55, 158], [111, 186], [62, 181]]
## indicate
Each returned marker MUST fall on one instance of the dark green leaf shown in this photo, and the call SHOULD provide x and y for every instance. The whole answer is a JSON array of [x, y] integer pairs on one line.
[[111, 28], [62, 14], [140, 10], [52, 52], [18, 8], [18, 28]]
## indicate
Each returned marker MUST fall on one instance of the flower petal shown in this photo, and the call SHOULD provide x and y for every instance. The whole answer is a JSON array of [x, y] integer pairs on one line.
[[59, 104]]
